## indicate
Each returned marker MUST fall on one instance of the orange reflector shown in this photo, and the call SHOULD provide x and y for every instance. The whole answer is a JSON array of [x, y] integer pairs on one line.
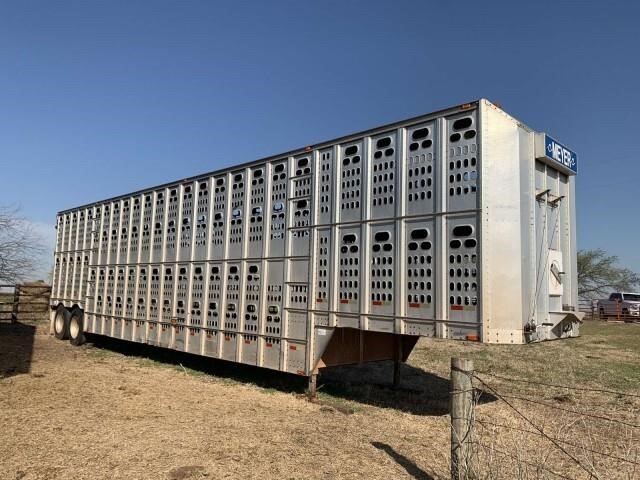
[[465, 105], [473, 338]]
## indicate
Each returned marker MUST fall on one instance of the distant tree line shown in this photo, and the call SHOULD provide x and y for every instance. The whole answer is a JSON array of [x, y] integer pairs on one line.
[[599, 274], [20, 246]]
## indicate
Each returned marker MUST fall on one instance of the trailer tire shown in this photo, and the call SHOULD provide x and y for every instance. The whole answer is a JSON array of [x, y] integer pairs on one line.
[[76, 328], [61, 323]]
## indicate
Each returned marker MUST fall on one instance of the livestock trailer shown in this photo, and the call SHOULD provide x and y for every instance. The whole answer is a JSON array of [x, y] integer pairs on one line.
[[459, 224]]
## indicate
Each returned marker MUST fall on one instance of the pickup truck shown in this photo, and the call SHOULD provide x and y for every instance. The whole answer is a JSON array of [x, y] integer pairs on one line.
[[620, 304]]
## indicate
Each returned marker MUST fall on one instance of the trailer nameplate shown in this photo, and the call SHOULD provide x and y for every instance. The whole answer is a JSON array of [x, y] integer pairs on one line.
[[549, 149]]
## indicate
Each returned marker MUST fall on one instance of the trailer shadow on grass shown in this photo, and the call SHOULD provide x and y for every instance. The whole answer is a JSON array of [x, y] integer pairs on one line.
[[419, 393], [344, 388], [16, 348]]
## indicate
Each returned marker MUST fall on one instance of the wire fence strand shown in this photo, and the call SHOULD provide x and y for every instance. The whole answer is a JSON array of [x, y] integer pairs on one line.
[[583, 389], [557, 444], [566, 442]]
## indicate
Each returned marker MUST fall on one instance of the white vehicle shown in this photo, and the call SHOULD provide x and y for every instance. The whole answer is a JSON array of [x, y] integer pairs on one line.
[[620, 304]]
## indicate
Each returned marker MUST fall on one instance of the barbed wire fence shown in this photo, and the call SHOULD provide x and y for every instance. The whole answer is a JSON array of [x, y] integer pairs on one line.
[[545, 430]]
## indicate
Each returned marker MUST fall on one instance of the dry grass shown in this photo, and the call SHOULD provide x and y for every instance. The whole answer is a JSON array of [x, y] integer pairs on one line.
[[128, 411]]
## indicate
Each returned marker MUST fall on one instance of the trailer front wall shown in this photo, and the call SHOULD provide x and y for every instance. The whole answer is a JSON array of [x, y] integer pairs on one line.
[[261, 263]]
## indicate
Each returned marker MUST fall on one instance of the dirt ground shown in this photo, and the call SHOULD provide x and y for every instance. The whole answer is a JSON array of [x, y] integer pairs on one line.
[[117, 410]]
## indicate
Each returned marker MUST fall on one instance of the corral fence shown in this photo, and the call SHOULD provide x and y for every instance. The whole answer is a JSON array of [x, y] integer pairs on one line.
[[592, 311], [24, 302], [540, 430]]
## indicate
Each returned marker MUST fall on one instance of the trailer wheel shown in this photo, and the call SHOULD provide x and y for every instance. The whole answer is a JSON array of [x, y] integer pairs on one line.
[[61, 323], [76, 328]]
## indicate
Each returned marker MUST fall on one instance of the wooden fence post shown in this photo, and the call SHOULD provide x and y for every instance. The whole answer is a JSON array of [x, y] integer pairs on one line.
[[461, 418]]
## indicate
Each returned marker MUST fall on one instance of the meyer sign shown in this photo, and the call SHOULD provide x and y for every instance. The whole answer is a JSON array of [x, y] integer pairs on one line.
[[547, 147]]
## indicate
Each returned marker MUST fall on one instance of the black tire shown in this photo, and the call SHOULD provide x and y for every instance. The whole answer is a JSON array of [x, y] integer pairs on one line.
[[76, 328], [625, 315], [602, 313], [61, 323]]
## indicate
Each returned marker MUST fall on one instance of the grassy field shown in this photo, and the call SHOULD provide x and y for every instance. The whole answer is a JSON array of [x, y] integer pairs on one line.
[[119, 410]]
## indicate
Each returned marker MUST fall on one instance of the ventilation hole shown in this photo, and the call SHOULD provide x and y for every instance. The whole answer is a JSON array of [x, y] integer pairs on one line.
[[427, 143], [420, 133], [419, 234], [383, 142], [303, 162], [351, 150], [414, 146], [387, 247], [388, 152], [469, 134], [237, 178], [413, 246], [301, 204], [377, 155], [257, 173], [462, 231], [350, 238], [376, 248], [233, 269], [382, 236], [462, 123], [455, 137], [455, 243], [470, 243], [253, 269]]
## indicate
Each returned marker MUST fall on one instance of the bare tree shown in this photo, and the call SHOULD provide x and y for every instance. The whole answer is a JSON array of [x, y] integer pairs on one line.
[[20, 246], [599, 274]]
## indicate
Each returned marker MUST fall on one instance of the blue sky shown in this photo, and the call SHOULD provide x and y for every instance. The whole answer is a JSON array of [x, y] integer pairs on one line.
[[102, 98]]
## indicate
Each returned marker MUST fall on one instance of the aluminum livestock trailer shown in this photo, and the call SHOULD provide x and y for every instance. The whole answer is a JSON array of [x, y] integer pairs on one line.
[[458, 224]]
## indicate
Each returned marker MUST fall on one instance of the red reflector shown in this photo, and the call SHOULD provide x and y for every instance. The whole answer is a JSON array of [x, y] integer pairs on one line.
[[248, 342], [269, 345], [209, 336], [292, 347], [473, 338], [456, 307], [414, 305], [319, 300], [377, 302], [300, 372], [344, 301]]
